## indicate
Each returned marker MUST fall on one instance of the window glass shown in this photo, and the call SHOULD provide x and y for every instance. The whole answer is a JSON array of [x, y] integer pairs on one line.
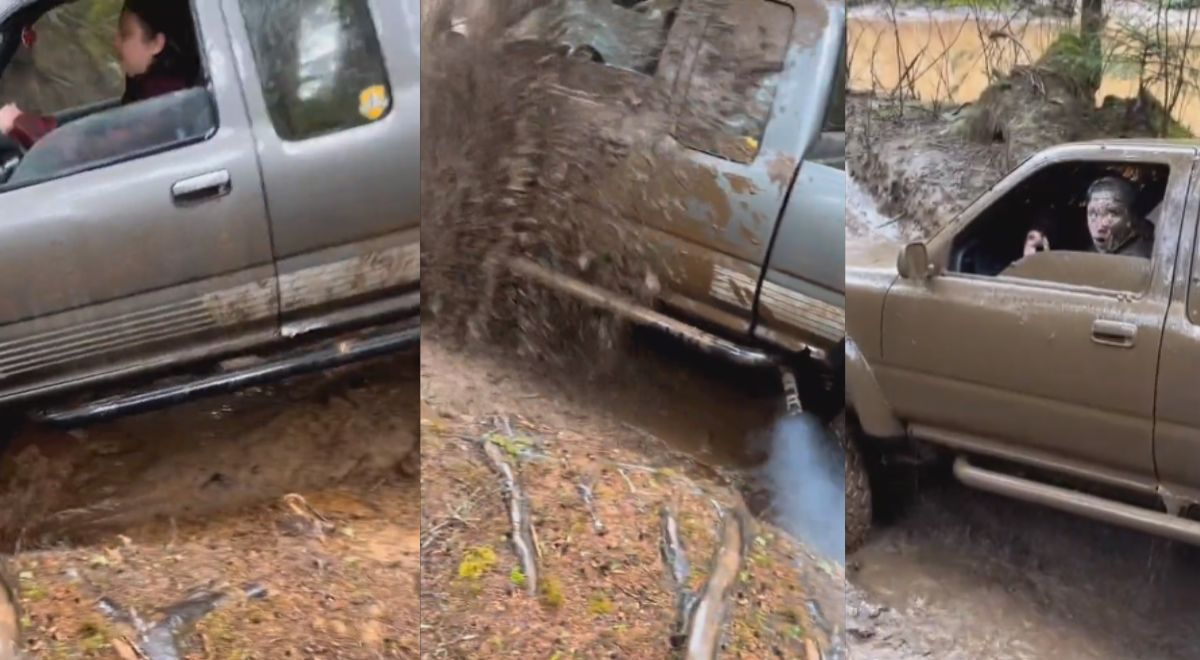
[[320, 64], [732, 88], [1039, 230], [141, 128], [626, 34]]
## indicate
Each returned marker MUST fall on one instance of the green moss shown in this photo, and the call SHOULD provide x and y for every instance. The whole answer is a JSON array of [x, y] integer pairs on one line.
[[600, 604], [93, 637], [514, 447], [517, 577], [551, 592], [476, 562]]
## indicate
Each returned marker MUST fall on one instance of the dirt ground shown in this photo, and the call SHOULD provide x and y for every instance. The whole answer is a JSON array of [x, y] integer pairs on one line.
[[655, 434], [279, 522]]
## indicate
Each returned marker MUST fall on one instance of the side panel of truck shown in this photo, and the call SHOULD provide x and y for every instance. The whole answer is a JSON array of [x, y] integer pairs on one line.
[[103, 270], [344, 205], [802, 298], [1177, 414]]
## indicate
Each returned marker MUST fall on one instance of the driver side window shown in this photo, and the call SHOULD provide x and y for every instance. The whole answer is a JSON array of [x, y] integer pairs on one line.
[[139, 129], [68, 83], [1086, 224]]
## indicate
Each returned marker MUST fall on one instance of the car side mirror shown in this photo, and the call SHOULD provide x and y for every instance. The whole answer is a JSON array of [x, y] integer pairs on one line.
[[913, 263]]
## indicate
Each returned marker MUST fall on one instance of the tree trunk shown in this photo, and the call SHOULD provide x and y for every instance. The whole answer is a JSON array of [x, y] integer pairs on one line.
[[1091, 30]]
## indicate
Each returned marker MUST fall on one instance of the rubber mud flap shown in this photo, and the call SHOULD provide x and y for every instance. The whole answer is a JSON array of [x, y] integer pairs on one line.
[[858, 485]]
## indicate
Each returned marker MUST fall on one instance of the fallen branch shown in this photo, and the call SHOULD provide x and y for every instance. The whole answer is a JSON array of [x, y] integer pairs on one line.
[[589, 501], [518, 513], [712, 609], [164, 639], [673, 556]]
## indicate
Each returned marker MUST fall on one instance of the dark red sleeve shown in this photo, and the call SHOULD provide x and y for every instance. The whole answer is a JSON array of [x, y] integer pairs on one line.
[[28, 129]]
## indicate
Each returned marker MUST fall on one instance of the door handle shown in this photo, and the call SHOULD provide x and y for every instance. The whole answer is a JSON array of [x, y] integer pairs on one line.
[[1114, 333], [200, 188]]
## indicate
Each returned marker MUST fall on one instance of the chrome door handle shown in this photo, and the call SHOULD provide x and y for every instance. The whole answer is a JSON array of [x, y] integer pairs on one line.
[[199, 188], [1114, 333]]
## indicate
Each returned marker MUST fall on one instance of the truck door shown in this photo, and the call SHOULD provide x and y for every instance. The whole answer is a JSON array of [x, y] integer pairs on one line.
[[1051, 357], [333, 88], [714, 190], [802, 298], [1177, 413], [119, 252]]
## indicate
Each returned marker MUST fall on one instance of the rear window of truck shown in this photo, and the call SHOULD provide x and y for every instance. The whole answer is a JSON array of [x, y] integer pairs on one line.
[[732, 87], [319, 63]]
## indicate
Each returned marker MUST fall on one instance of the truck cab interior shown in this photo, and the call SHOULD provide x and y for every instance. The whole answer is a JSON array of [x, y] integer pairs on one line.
[[1054, 201], [57, 60]]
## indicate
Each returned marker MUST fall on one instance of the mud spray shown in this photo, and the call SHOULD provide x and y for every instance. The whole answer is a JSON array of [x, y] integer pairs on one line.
[[532, 149], [806, 476]]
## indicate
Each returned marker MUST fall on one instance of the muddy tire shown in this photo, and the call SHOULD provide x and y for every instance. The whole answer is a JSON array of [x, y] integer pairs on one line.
[[858, 486]]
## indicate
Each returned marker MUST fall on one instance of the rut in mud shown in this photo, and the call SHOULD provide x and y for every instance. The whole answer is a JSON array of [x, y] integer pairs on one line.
[[282, 519]]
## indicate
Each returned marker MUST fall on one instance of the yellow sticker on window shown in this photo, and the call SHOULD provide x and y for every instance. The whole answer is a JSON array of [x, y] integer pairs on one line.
[[373, 102]]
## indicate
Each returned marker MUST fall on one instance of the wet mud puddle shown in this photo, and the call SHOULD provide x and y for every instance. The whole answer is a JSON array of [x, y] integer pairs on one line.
[[969, 575]]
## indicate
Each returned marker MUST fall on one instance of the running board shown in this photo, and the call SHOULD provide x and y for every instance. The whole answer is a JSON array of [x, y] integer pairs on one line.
[[327, 356], [1083, 504], [632, 311]]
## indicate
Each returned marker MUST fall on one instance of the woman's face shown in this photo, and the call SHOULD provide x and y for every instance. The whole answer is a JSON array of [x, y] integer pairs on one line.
[[135, 47]]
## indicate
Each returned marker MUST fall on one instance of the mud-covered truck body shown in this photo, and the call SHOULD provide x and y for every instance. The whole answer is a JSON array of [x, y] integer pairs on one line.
[[1065, 377], [273, 201], [741, 199]]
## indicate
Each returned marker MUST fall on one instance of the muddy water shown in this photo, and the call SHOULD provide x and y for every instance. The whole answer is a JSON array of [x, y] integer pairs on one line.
[[951, 56], [969, 575], [960, 575], [733, 421]]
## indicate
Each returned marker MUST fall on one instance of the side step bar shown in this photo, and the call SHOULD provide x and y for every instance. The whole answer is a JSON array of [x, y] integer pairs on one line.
[[1090, 506], [326, 356], [630, 310]]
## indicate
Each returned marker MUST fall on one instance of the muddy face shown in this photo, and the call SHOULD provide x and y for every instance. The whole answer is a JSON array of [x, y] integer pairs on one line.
[[1108, 217]]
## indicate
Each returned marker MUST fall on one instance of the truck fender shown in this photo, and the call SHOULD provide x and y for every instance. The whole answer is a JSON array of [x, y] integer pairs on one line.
[[865, 397]]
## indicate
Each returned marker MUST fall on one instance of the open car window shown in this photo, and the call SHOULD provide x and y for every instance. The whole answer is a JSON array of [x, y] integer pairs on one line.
[[124, 133], [71, 61], [1053, 201]]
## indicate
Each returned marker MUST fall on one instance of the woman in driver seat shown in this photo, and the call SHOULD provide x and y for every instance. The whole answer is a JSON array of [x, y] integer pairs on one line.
[[157, 51]]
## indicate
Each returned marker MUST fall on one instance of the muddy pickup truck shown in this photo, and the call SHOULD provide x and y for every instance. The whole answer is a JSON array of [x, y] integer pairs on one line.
[[273, 207], [741, 201], [1065, 377]]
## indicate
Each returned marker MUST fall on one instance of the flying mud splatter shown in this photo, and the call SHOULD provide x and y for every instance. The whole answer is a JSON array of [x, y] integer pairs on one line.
[[536, 145]]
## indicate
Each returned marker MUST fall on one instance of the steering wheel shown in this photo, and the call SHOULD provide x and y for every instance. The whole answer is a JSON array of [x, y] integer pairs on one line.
[[11, 153]]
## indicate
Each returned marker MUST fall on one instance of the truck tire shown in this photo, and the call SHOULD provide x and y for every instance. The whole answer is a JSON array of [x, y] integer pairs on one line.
[[858, 487]]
